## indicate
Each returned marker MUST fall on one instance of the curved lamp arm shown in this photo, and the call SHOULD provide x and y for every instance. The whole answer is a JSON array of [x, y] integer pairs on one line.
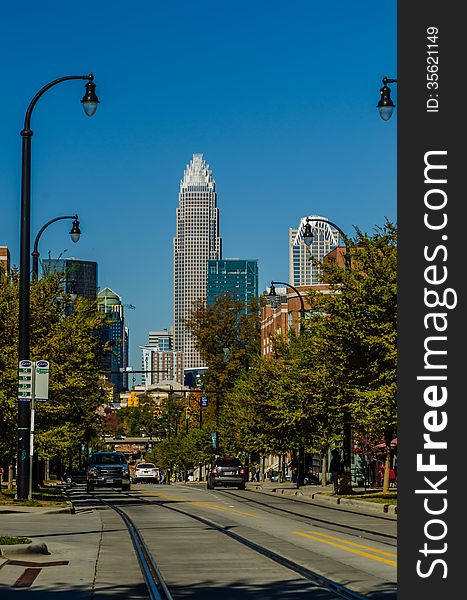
[[273, 283], [35, 252], [302, 310], [348, 260], [27, 119]]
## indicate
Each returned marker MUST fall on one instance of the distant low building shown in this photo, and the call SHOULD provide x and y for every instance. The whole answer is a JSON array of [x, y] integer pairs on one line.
[[4, 259]]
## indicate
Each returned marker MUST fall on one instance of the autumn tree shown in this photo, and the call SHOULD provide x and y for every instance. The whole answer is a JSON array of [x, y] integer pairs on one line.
[[227, 337]]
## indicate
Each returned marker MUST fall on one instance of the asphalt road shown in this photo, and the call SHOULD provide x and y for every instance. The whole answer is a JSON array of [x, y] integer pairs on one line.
[[199, 561]]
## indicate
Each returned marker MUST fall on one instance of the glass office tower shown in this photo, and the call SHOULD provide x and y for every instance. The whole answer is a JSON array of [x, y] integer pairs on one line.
[[234, 276]]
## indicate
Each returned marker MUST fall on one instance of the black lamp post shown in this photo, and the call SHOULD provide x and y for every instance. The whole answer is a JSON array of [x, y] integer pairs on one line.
[[386, 105], [90, 102], [301, 449], [308, 238], [75, 234], [272, 293]]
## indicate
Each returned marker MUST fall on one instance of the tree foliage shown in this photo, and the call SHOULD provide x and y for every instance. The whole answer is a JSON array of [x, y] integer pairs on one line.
[[66, 335], [227, 338]]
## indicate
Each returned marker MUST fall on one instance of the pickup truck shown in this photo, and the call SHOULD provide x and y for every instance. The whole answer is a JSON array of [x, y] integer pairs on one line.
[[107, 469]]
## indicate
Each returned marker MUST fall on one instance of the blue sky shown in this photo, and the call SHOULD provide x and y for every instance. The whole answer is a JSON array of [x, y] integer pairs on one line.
[[280, 98]]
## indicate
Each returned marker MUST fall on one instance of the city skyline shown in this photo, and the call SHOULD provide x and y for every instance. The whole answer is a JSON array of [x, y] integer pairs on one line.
[[286, 118]]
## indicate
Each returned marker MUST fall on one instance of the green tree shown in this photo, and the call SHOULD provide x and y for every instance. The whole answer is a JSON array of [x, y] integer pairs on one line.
[[67, 335], [358, 332]]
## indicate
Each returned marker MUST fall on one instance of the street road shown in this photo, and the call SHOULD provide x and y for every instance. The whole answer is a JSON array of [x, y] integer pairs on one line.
[[184, 527]]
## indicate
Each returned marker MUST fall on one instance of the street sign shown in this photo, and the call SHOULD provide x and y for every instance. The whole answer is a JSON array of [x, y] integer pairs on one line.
[[41, 386], [25, 380], [204, 401], [214, 440]]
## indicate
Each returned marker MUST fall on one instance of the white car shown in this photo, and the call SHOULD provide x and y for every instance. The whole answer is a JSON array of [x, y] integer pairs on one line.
[[146, 472]]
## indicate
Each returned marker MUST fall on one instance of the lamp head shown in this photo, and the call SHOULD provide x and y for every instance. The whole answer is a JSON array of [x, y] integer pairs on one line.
[[307, 234], [272, 290], [75, 232], [385, 105], [90, 100]]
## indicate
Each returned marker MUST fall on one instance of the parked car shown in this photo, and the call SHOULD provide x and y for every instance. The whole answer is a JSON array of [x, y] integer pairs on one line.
[[146, 472], [226, 472], [74, 476], [119, 436], [108, 469]]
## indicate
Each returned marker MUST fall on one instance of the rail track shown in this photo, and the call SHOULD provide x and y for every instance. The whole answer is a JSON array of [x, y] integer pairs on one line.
[[158, 588], [267, 507]]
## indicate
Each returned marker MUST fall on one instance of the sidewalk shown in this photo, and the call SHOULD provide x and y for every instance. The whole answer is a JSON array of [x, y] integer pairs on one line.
[[73, 556]]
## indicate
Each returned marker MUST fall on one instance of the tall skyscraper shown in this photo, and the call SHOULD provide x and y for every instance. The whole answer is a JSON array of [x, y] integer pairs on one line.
[[196, 241], [233, 276], [80, 275], [302, 271]]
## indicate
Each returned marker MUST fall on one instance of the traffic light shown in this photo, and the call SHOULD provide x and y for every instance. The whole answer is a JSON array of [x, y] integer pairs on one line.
[[133, 400], [187, 412]]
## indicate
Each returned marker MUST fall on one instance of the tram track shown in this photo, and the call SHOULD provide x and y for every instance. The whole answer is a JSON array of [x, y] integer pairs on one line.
[[157, 587], [314, 519]]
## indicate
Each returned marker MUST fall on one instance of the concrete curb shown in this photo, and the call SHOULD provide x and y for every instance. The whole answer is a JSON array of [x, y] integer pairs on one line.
[[32, 548], [324, 499]]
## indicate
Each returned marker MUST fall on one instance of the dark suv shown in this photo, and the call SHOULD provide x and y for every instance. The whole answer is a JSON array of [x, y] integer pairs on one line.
[[226, 471], [107, 469]]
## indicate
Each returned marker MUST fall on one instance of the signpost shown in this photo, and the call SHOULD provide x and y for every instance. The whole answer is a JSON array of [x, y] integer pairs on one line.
[[41, 384], [33, 384]]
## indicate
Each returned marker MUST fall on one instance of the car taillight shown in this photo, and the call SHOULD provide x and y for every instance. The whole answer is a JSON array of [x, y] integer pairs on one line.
[[242, 471], [214, 472]]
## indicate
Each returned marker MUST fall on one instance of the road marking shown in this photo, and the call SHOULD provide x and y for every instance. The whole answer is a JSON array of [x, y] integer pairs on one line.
[[202, 504], [342, 547], [354, 544]]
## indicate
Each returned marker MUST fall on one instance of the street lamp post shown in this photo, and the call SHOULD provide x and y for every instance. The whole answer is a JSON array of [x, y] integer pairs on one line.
[[385, 105], [347, 431], [90, 102], [301, 449], [75, 234], [272, 293]]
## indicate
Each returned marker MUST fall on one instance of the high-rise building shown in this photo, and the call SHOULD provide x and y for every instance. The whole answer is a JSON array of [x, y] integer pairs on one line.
[[196, 241], [116, 360], [4, 259], [302, 270], [162, 339], [159, 361], [233, 276], [80, 275], [161, 366]]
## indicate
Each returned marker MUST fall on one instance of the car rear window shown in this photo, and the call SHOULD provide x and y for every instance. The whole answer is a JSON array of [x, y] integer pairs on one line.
[[108, 459], [146, 466], [228, 462]]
